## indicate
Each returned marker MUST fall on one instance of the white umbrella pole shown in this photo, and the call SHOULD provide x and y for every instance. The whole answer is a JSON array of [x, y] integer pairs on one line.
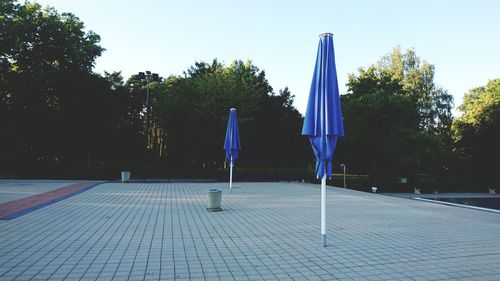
[[323, 211], [231, 174]]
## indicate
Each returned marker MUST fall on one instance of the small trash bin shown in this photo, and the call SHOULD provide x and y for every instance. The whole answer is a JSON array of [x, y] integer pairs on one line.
[[214, 200], [125, 176]]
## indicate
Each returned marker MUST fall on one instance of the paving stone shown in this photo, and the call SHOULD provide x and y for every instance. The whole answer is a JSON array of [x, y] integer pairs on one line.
[[266, 231]]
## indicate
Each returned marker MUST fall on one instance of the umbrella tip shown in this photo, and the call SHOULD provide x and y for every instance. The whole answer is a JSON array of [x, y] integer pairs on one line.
[[326, 34]]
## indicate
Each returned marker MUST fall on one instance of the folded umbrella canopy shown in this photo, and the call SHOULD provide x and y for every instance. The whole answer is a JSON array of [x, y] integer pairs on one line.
[[232, 143], [323, 120]]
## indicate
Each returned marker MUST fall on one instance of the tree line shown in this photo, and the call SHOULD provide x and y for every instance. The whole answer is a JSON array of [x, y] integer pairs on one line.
[[56, 112]]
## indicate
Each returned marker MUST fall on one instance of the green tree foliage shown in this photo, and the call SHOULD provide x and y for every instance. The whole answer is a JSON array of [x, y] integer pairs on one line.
[[54, 110], [404, 74], [476, 132], [396, 119], [137, 114], [124, 140], [383, 131], [193, 111], [46, 81]]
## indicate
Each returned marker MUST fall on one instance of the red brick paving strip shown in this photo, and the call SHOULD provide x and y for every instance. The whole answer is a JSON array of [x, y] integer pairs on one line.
[[12, 207]]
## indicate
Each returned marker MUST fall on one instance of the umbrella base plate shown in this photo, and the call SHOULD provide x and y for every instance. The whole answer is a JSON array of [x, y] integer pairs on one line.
[[214, 209]]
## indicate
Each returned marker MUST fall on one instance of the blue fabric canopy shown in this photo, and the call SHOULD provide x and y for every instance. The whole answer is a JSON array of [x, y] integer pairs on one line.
[[232, 142], [323, 120]]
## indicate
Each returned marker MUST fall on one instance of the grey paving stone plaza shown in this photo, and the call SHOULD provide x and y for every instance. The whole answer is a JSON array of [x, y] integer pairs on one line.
[[266, 231]]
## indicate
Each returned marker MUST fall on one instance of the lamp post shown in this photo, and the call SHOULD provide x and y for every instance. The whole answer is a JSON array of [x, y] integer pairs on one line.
[[343, 166], [149, 77]]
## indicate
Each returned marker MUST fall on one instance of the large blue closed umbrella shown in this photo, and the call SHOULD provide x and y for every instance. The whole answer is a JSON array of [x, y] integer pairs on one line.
[[232, 143], [323, 120]]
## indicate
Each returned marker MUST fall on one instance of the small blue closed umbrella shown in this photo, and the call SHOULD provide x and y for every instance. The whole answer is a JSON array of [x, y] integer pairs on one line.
[[232, 143], [323, 120]]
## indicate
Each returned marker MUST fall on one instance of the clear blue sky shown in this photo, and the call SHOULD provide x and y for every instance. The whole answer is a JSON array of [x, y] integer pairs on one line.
[[461, 38]]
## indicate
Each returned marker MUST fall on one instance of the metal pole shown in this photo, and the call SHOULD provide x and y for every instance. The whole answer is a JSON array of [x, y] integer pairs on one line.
[[323, 210], [343, 165], [146, 128], [231, 174], [147, 112]]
